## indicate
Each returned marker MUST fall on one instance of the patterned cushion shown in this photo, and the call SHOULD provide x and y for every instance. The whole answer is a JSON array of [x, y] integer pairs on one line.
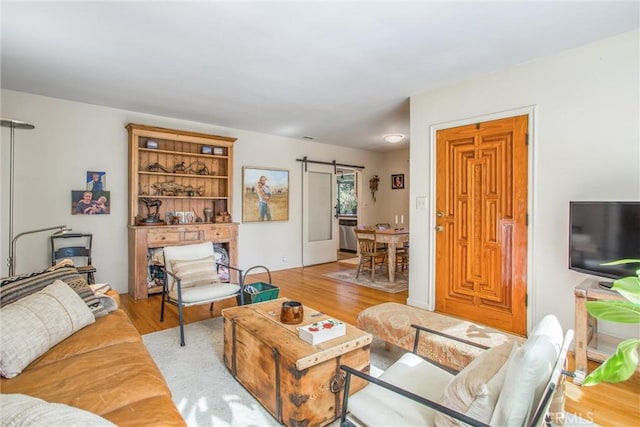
[[475, 390], [14, 288], [23, 410], [32, 325], [195, 272]]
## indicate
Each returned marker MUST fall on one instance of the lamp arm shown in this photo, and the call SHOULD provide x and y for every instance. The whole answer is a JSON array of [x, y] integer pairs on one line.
[[11, 260]]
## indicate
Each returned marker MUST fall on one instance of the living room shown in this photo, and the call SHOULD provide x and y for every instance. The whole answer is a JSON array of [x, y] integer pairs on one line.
[[583, 105]]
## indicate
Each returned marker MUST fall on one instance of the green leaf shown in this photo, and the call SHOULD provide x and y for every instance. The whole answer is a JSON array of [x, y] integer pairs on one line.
[[622, 261], [619, 367], [628, 287], [614, 311]]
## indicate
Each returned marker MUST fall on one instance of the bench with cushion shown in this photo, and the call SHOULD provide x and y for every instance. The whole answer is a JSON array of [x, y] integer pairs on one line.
[[392, 322]]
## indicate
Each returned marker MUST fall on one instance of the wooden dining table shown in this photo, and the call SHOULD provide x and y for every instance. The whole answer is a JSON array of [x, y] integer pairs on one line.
[[393, 237]]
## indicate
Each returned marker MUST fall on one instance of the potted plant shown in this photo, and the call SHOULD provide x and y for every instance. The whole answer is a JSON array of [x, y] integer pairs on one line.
[[621, 365]]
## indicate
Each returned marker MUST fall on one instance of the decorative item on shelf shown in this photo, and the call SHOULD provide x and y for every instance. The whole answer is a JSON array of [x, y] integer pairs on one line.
[[206, 149], [218, 151], [155, 167], [192, 191], [152, 144], [223, 217], [200, 169], [179, 167], [152, 217], [196, 216], [208, 215], [169, 188], [373, 186]]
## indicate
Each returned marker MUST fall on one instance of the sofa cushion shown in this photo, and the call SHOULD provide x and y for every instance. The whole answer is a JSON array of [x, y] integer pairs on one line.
[[474, 391], [32, 325], [411, 373], [22, 410], [16, 287], [115, 328], [100, 381], [528, 373]]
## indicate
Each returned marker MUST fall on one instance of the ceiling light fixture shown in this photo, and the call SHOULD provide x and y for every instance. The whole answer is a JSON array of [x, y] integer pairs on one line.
[[394, 138]]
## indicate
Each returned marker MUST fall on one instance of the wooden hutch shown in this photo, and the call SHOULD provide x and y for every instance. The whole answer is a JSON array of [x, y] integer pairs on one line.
[[181, 173]]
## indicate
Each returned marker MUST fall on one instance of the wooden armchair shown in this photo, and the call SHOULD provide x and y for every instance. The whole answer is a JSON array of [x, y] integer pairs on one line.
[[371, 252]]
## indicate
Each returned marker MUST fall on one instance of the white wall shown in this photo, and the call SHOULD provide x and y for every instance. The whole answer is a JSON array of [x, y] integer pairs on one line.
[[394, 202], [586, 145], [71, 138]]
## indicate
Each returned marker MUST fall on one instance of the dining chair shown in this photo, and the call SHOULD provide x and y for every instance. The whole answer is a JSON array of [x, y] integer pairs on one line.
[[371, 253]]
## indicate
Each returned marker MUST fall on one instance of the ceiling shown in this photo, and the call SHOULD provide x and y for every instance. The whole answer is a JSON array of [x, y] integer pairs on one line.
[[339, 72]]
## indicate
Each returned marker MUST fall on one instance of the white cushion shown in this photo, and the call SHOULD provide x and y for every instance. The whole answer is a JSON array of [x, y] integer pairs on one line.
[[22, 410], [32, 325], [186, 253], [195, 272], [200, 294], [474, 391], [528, 372], [411, 373]]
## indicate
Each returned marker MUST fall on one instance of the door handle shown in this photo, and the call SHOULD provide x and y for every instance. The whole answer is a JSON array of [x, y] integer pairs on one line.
[[440, 214], [440, 228]]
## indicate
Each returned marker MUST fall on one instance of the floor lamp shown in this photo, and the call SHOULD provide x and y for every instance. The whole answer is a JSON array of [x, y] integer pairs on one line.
[[11, 261]]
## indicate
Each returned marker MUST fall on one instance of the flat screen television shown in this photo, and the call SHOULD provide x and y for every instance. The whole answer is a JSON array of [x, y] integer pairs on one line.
[[600, 232]]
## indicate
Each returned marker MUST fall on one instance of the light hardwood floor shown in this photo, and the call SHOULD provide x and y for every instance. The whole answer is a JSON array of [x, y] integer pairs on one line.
[[605, 404]]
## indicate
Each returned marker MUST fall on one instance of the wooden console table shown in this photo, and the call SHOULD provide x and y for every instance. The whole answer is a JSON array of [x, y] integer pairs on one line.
[[143, 238], [589, 343]]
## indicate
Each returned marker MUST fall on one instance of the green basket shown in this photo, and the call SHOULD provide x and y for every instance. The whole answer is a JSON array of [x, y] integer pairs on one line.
[[265, 292]]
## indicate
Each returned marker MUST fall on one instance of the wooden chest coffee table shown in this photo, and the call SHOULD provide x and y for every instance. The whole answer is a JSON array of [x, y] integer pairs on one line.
[[298, 383]]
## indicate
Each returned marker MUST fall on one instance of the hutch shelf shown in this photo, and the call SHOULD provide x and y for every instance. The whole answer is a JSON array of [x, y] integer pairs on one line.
[[184, 180]]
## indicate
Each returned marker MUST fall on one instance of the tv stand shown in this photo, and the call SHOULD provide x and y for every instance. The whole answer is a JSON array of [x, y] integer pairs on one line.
[[606, 285], [589, 343]]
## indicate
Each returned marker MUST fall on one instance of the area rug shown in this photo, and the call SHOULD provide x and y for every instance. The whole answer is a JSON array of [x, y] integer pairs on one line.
[[381, 282], [204, 391], [206, 394]]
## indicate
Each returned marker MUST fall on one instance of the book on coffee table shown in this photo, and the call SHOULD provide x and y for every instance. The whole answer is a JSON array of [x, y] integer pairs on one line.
[[319, 332]]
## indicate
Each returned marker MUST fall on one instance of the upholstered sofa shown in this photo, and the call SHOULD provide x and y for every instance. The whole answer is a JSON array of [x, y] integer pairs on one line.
[[103, 367]]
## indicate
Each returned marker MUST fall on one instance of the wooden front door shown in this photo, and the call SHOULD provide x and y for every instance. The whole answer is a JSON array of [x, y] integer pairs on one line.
[[481, 219]]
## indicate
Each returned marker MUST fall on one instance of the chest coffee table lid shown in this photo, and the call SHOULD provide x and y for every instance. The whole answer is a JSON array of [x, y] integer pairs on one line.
[[264, 320]]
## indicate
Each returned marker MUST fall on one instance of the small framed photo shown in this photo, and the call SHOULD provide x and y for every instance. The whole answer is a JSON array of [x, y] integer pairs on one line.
[[96, 181], [90, 202], [397, 181], [206, 149], [218, 151], [152, 144]]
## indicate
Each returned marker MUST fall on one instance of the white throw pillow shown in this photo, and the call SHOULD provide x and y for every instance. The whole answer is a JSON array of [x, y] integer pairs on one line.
[[32, 325], [22, 410], [528, 373], [195, 272], [474, 391]]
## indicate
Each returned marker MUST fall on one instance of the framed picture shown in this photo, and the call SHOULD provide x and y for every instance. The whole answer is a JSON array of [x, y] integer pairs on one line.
[[397, 181], [265, 194], [96, 181], [206, 149], [218, 151], [90, 202]]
